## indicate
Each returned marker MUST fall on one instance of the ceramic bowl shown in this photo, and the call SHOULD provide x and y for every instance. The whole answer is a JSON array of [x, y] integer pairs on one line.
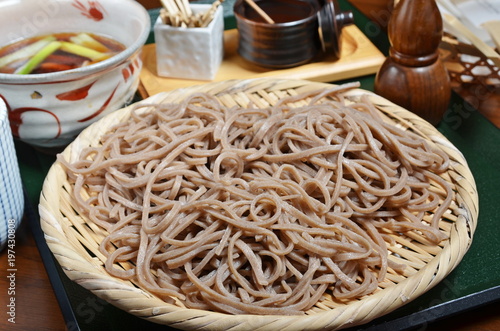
[[49, 110], [303, 30], [291, 41]]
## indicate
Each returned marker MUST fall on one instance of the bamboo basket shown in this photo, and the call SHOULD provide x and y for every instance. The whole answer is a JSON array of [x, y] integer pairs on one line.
[[74, 242]]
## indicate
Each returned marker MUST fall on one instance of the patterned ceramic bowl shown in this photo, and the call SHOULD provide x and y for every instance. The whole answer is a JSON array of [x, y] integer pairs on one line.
[[49, 110]]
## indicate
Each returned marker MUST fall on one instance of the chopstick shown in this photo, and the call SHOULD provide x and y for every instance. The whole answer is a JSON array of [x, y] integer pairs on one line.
[[178, 13], [259, 11], [460, 29]]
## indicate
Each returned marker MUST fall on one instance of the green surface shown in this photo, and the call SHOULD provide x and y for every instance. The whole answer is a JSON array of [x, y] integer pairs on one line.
[[468, 130]]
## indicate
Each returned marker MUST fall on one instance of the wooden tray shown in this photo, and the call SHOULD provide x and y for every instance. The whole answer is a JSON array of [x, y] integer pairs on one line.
[[358, 57]]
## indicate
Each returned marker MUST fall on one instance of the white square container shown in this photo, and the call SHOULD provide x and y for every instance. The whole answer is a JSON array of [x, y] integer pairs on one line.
[[190, 53]]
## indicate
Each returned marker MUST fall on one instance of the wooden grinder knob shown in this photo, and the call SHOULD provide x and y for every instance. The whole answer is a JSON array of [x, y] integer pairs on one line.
[[413, 76]]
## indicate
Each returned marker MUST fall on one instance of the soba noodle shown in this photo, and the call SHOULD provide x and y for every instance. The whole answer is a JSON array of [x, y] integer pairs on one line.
[[258, 210]]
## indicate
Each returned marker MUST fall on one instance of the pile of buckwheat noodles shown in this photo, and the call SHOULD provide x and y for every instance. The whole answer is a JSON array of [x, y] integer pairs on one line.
[[261, 211]]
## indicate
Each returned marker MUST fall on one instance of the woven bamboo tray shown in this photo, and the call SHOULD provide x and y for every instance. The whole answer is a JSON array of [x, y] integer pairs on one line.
[[74, 242]]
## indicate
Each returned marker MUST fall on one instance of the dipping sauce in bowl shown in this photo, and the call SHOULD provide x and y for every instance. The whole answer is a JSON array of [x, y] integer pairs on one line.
[[281, 11], [49, 109], [56, 52], [292, 40], [302, 29]]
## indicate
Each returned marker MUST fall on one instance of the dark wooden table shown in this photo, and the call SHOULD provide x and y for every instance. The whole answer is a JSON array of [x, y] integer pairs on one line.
[[36, 307]]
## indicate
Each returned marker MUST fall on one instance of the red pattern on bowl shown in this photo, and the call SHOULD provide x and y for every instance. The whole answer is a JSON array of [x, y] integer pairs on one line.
[[50, 110]]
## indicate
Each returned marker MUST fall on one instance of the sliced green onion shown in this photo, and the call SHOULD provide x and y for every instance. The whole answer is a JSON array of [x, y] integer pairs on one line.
[[26, 52], [86, 40], [38, 58], [82, 51]]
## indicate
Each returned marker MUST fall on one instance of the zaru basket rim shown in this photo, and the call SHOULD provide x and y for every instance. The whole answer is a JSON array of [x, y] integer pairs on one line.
[[74, 242]]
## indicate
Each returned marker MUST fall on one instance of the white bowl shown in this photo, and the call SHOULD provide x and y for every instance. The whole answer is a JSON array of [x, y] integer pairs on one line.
[[49, 110]]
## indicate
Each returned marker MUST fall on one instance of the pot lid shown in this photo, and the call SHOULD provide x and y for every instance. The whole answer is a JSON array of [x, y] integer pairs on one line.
[[331, 22]]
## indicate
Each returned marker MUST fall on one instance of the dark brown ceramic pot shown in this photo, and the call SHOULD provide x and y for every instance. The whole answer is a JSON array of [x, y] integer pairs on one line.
[[292, 40], [302, 29]]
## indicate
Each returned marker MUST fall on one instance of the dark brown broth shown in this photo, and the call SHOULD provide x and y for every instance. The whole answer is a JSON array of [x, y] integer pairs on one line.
[[64, 60], [281, 11]]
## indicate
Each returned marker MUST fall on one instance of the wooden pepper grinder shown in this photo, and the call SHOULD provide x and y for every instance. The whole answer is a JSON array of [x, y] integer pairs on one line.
[[413, 76]]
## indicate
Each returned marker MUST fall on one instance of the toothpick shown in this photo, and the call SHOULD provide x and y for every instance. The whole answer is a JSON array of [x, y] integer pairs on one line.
[[167, 4], [178, 13], [187, 8]]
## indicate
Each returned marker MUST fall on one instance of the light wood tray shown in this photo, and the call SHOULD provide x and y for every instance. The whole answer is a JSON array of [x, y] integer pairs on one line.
[[74, 241], [358, 57]]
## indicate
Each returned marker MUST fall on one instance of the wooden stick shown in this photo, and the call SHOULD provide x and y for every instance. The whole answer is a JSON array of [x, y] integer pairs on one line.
[[178, 13], [260, 11], [464, 32], [180, 5], [187, 8], [208, 16], [169, 6], [493, 28]]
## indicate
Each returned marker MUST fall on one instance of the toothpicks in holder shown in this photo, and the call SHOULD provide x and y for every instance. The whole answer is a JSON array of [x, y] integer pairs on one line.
[[178, 13]]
